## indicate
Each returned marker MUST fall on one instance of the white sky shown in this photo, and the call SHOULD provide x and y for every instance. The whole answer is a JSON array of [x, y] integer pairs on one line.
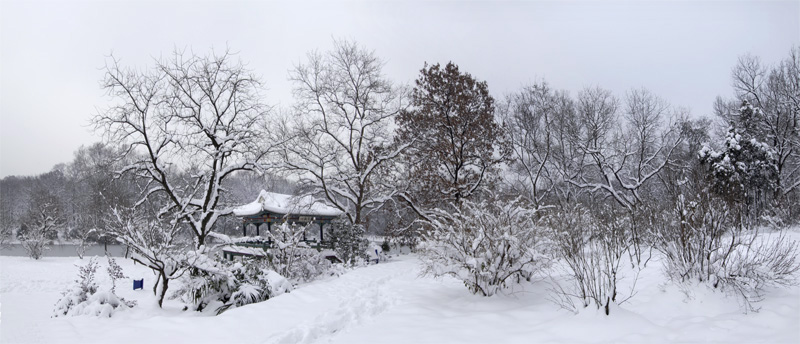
[[51, 52]]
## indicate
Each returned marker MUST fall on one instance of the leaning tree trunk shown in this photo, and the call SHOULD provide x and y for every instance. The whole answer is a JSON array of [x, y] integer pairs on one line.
[[164, 285]]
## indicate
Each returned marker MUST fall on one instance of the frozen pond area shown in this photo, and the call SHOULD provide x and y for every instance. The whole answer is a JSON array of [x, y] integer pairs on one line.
[[65, 250]]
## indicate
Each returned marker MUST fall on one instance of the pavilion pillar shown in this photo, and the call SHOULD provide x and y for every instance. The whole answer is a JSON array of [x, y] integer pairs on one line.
[[258, 225], [320, 232], [269, 234], [244, 228]]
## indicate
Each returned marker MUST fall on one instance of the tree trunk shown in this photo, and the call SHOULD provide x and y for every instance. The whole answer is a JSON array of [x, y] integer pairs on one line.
[[164, 286], [201, 240], [155, 286]]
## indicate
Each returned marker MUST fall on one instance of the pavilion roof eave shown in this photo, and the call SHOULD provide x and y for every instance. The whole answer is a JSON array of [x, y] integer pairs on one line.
[[278, 215]]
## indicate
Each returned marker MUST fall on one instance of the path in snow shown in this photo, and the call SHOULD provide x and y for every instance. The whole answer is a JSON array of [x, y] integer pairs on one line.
[[367, 301]]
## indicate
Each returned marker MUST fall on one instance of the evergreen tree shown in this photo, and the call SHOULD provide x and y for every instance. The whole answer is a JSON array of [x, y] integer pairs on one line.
[[745, 170]]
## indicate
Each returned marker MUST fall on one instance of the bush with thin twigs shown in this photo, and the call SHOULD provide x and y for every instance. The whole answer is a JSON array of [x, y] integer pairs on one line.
[[591, 252], [489, 245], [702, 243]]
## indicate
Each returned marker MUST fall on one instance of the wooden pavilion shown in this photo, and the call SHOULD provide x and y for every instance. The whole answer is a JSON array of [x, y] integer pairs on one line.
[[278, 208]]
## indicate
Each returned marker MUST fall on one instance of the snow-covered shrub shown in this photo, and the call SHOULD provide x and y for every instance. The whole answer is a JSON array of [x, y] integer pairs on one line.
[[291, 257], [590, 252], [761, 261], [80, 291], [102, 304], [692, 240], [83, 297], [253, 283], [85, 238], [702, 243], [206, 281], [308, 265], [349, 242], [114, 272], [221, 284], [489, 245], [35, 244]]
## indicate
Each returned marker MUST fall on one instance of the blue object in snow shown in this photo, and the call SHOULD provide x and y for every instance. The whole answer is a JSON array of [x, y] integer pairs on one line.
[[138, 284]]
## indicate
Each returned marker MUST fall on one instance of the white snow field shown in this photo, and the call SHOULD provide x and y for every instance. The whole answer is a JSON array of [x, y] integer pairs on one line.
[[388, 303]]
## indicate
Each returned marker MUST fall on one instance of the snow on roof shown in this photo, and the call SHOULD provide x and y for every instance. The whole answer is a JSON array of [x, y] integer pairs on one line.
[[286, 204]]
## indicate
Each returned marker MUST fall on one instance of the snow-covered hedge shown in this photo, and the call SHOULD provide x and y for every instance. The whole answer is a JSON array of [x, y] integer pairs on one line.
[[489, 245]]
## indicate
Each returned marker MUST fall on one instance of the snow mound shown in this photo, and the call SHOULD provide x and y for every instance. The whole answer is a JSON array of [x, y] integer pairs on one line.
[[278, 283]]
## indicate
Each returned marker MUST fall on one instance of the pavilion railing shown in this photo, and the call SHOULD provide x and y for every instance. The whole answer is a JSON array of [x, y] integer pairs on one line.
[[266, 245]]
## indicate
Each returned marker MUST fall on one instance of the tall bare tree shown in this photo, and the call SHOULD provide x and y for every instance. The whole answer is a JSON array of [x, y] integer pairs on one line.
[[538, 119], [339, 142], [95, 190], [188, 122], [621, 160]]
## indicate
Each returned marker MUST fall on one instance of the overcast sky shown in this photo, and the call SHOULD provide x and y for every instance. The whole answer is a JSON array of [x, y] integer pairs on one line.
[[51, 52]]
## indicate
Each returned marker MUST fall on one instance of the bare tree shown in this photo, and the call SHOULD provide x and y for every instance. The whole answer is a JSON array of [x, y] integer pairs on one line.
[[621, 161], [597, 110], [568, 155], [340, 139], [541, 125], [95, 190], [188, 123], [44, 219], [645, 113], [529, 116], [9, 218]]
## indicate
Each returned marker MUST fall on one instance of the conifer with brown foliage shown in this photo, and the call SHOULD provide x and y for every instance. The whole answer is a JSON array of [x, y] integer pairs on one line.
[[456, 142]]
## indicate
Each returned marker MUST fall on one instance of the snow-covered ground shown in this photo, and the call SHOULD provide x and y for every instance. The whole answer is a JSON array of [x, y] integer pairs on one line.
[[388, 303]]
